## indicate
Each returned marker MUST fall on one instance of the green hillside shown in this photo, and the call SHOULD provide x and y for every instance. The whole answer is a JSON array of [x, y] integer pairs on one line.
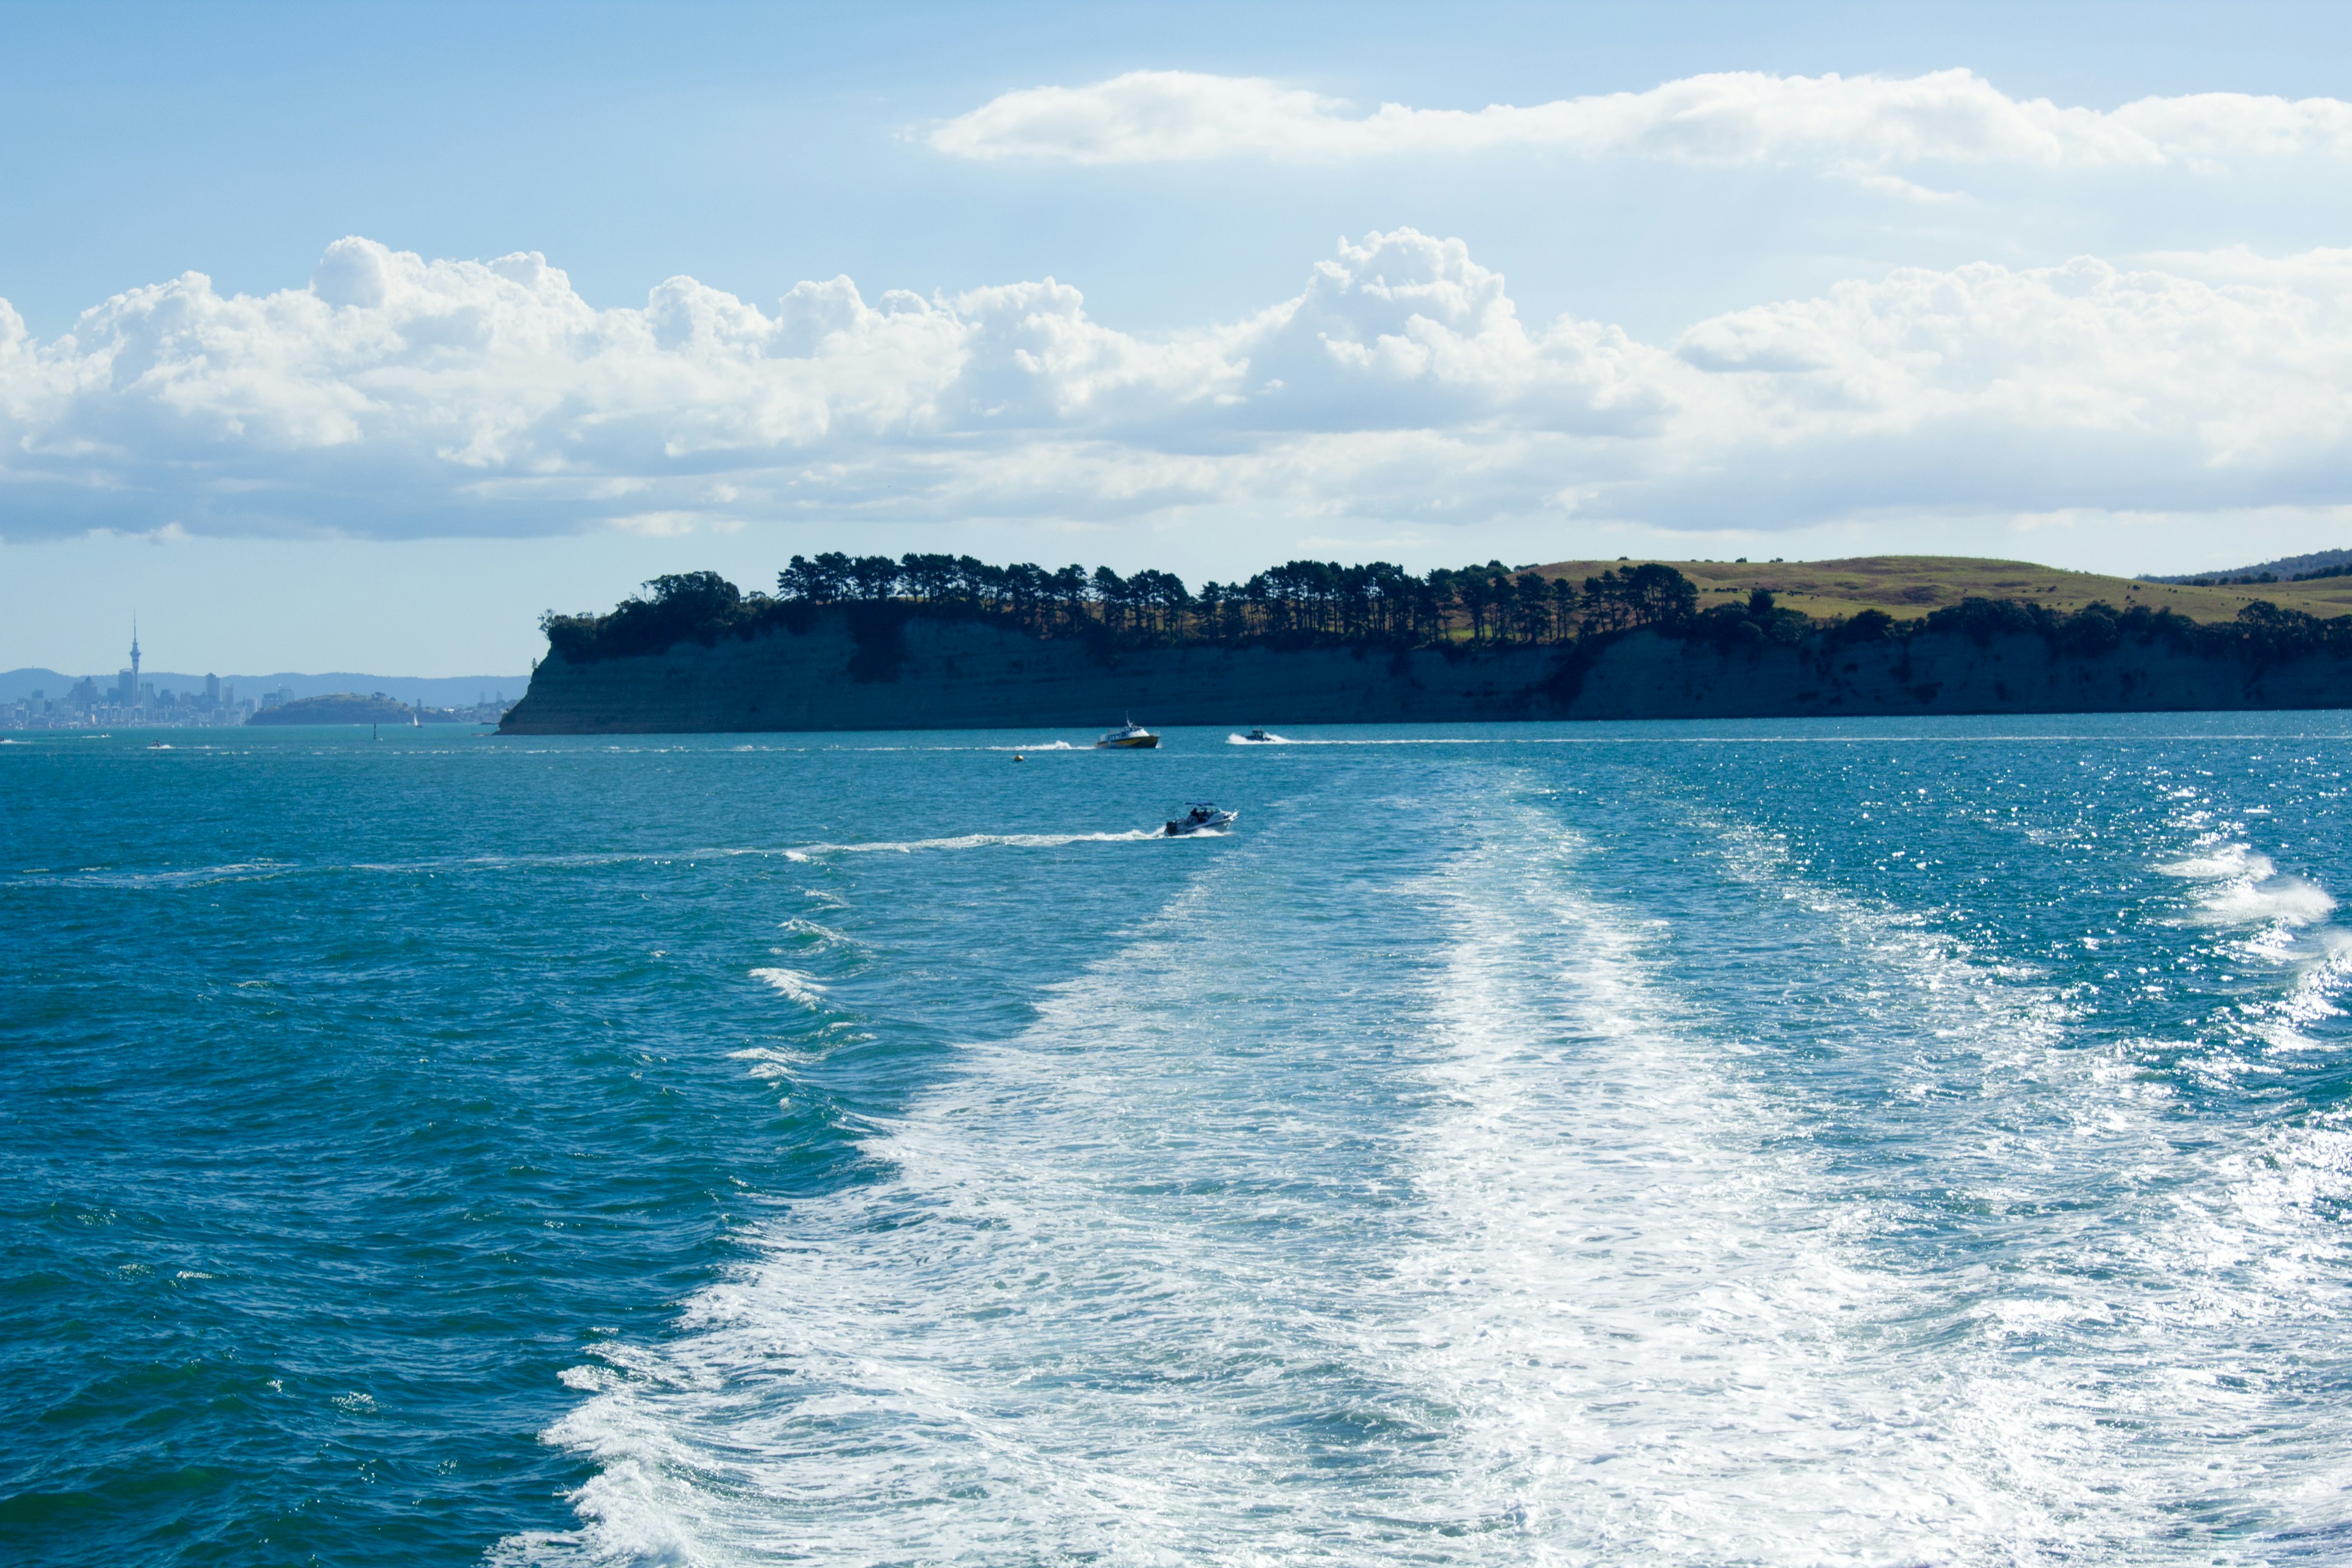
[[1909, 586]]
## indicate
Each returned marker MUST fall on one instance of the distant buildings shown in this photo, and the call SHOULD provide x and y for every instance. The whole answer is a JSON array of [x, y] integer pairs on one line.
[[130, 702], [133, 701]]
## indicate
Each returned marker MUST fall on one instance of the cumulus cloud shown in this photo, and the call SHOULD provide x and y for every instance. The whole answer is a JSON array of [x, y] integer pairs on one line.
[[1853, 126], [395, 397]]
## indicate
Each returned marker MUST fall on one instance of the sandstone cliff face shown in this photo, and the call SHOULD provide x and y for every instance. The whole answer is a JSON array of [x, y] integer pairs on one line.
[[949, 674]]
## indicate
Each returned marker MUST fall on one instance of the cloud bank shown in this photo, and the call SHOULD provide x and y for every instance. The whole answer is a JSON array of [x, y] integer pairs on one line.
[[399, 397], [1729, 118]]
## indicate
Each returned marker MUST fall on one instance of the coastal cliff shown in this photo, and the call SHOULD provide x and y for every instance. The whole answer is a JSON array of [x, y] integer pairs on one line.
[[838, 668]]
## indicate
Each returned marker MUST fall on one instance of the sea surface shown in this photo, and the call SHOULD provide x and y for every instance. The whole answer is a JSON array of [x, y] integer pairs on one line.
[[1873, 1142]]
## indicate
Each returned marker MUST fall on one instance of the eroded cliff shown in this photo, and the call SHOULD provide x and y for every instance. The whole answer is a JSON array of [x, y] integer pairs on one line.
[[920, 672]]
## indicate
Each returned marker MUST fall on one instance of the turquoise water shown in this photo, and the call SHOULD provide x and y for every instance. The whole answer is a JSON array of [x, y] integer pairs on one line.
[[1875, 1143]]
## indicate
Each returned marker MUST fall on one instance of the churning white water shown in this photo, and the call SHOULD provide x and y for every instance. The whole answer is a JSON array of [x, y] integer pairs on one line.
[[1556, 1185]]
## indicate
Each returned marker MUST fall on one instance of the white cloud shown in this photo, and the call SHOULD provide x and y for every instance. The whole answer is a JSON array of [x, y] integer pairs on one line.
[[1399, 391], [1853, 125]]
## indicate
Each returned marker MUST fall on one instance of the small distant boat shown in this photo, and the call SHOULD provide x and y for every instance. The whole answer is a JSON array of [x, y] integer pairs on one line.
[[1134, 737], [1201, 817], [1260, 737]]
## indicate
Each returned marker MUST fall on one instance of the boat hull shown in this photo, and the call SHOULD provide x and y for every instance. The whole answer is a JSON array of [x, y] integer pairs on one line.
[[1142, 743]]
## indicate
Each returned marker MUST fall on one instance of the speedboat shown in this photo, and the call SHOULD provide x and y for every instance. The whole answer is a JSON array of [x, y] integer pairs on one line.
[[1259, 737], [1134, 737], [1201, 817]]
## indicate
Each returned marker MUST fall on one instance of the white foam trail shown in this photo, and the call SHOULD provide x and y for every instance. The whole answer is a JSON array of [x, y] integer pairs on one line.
[[1557, 1147], [791, 982], [2275, 901], [2320, 979], [808, 933], [2249, 890], [1109, 1305], [2128, 1335], [2221, 863], [192, 877], [1510, 1237], [970, 841], [1642, 1296]]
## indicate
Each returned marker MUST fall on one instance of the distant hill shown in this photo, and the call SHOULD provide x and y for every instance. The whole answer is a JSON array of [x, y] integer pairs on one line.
[[1909, 586], [342, 707], [2284, 568]]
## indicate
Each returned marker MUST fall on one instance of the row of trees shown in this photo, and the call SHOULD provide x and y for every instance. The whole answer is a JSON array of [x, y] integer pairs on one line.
[[1308, 601], [1312, 598]]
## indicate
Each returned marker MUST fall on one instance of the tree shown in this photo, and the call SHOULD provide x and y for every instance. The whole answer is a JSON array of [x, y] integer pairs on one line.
[[1257, 604], [1563, 607], [1069, 590], [1533, 608], [1162, 598], [929, 579], [1502, 600], [1474, 591], [695, 593], [1660, 595], [874, 576], [819, 582], [1110, 593], [1028, 588], [990, 587], [1433, 603]]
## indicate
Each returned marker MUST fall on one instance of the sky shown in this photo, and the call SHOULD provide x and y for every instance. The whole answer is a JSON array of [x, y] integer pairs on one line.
[[355, 336]]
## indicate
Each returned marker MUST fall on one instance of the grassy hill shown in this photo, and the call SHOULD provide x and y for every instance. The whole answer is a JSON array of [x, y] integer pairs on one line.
[[1908, 586]]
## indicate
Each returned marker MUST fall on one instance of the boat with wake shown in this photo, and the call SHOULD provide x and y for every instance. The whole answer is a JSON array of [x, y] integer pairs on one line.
[[1133, 738], [1200, 817]]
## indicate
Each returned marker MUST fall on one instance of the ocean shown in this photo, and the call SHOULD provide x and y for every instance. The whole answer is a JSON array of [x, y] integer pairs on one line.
[[1878, 1142]]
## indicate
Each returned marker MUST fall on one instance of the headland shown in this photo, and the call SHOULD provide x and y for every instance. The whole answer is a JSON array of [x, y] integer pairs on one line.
[[1318, 644]]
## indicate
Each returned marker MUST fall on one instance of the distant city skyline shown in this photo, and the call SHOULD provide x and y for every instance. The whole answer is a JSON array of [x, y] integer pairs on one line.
[[1206, 291], [41, 699]]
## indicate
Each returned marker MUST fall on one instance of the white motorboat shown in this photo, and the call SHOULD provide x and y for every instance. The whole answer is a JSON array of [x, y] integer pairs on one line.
[[1200, 817], [1133, 738], [1260, 737]]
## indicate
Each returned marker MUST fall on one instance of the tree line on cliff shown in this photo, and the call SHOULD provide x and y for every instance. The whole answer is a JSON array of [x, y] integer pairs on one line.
[[1315, 603]]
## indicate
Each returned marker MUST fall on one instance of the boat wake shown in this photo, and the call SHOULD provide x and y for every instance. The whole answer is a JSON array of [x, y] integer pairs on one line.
[[1789, 1230], [2114, 1279], [2243, 888], [1136, 1194], [967, 841]]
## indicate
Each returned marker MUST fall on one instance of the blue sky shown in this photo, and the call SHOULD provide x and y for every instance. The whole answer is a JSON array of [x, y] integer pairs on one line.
[[2002, 313]]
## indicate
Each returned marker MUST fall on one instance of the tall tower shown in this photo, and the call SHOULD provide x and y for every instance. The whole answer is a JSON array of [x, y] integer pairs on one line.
[[134, 661]]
